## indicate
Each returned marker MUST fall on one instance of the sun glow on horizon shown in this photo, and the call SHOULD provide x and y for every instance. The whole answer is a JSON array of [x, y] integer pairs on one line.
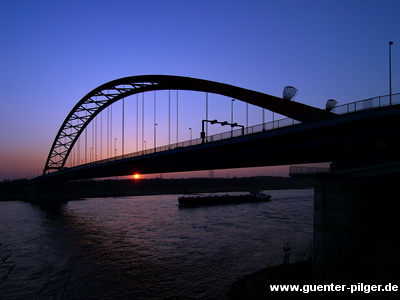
[[136, 176]]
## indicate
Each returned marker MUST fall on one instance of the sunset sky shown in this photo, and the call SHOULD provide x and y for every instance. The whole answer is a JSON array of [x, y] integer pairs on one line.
[[55, 52]]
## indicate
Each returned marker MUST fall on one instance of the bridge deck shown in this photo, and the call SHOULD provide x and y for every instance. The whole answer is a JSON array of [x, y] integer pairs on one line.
[[357, 137]]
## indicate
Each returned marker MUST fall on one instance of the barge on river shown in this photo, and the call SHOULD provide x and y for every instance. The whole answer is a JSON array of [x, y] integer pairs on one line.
[[223, 199]]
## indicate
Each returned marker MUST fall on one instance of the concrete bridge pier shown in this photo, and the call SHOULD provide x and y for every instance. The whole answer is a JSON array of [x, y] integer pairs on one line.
[[357, 225]]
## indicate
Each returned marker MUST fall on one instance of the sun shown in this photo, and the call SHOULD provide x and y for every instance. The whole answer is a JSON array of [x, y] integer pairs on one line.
[[136, 176]]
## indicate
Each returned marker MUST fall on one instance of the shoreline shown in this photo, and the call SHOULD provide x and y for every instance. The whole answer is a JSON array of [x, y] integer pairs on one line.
[[16, 190], [256, 285]]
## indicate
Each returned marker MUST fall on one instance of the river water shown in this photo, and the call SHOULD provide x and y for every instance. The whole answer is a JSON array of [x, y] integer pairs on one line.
[[146, 247]]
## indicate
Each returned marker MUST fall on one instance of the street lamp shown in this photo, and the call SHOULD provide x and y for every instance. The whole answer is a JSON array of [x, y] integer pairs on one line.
[[233, 100], [247, 117], [263, 118], [190, 136], [390, 71], [155, 136], [115, 147]]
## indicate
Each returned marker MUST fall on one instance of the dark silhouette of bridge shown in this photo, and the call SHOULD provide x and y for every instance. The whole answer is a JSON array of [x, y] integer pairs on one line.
[[361, 140], [353, 135]]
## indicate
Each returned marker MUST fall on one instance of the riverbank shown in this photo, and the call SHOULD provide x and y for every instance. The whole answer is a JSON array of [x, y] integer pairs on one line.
[[257, 285], [374, 265], [15, 190]]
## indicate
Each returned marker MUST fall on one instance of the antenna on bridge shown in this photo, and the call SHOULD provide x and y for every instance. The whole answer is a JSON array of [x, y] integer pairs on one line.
[[289, 92], [330, 104]]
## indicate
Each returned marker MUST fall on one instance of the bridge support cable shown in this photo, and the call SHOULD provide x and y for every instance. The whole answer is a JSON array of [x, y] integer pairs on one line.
[[105, 95], [111, 131], [143, 141], [177, 116], [123, 127], [155, 120], [137, 122], [169, 117], [85, 146], [108, 133], [206, 129]]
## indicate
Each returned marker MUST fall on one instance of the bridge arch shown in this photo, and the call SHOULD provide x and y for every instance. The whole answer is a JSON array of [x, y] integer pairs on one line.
[[105, 95]]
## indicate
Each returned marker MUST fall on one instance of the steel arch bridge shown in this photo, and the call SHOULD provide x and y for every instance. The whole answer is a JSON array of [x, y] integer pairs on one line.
[[105, 95]]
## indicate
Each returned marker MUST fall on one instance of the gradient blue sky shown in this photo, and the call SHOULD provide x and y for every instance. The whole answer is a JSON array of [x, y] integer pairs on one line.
[[54, 52]]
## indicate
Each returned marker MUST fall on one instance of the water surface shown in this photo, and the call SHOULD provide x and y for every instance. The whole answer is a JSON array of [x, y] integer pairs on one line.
[[146, 247]]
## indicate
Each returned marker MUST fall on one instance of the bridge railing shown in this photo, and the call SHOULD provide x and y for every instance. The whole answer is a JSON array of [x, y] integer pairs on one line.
[[341, 109], [212, 138], [367, 104]]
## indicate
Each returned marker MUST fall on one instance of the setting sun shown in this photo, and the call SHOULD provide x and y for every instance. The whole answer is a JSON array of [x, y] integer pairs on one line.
[[136, 176]]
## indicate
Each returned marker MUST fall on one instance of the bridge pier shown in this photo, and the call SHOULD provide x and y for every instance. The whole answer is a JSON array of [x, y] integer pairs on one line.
[[357, 225]]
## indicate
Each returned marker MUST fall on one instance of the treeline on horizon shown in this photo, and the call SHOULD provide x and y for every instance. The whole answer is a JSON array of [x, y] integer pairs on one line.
[[15, 189]]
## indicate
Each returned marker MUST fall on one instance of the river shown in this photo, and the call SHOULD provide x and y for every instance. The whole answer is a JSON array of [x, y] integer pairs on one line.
[[146, 247]]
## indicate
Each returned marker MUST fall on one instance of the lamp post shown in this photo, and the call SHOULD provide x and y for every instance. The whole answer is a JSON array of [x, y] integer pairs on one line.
[[115, 147], [233, 100], [247, 117], [263, 118], [190, 136], [390, 71], [155, 136]]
